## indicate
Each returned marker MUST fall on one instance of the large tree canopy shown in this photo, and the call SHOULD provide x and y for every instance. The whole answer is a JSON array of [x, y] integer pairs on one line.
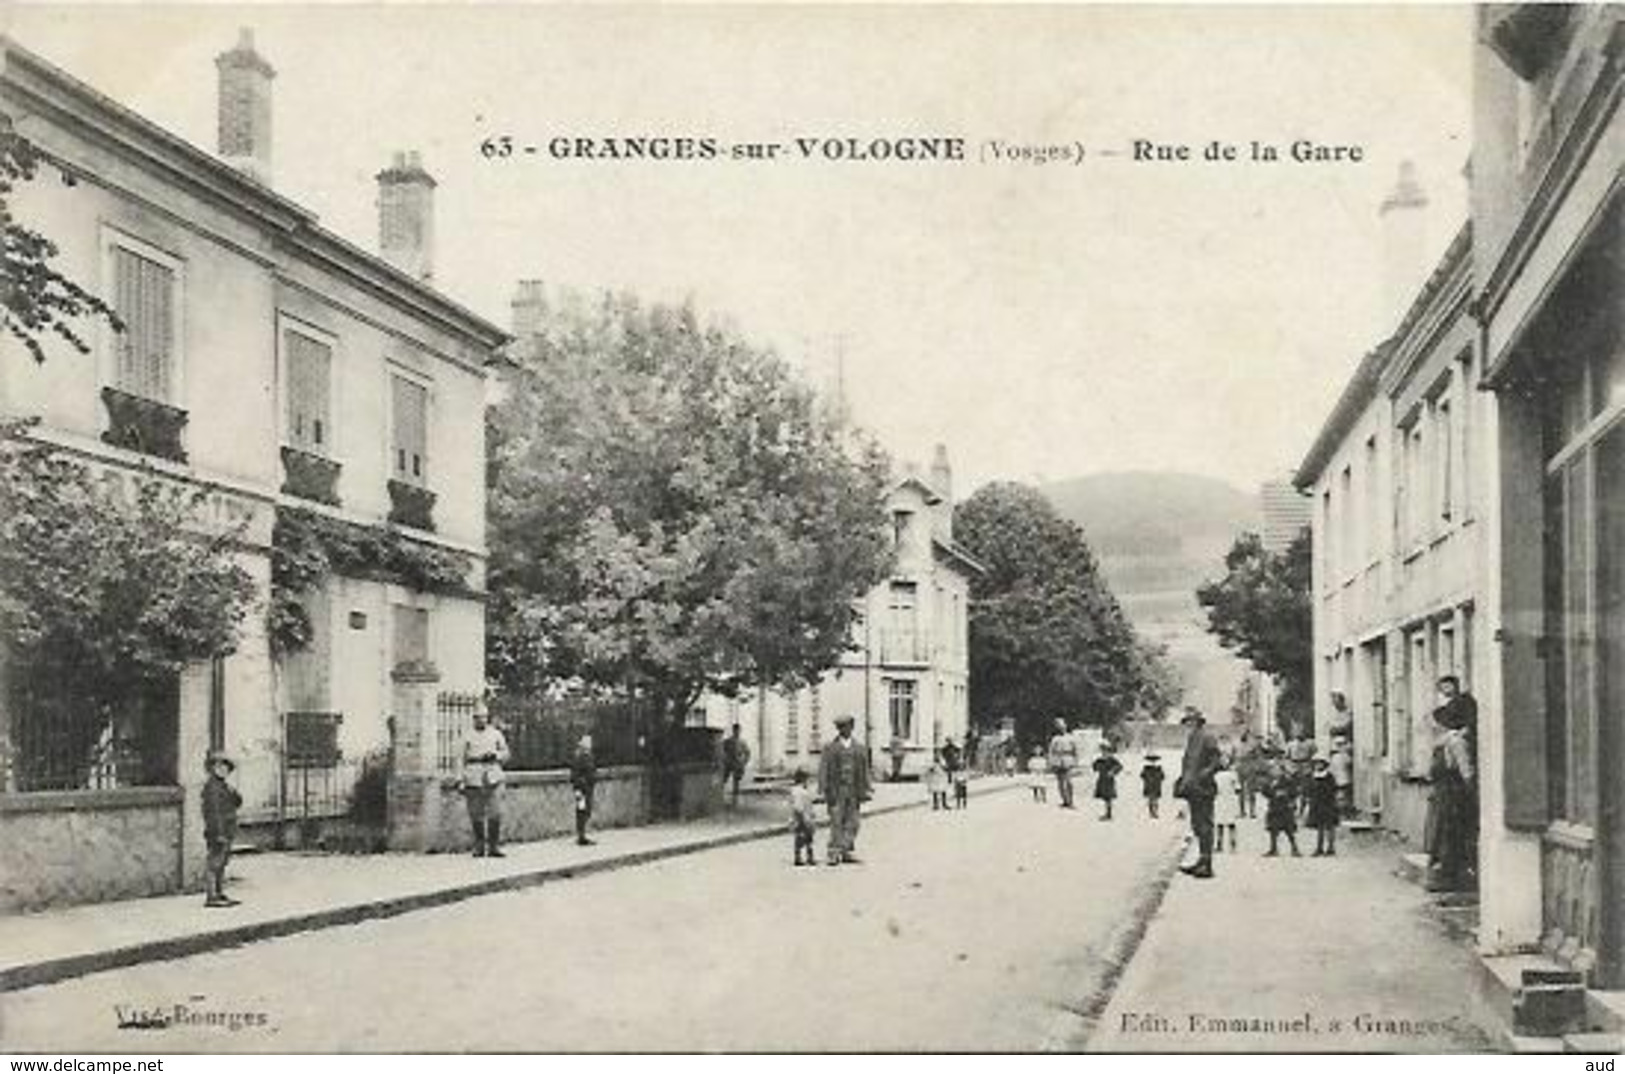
[[672, 511], [114, 582], [1261, 610], [1047, 637], [35, 298]]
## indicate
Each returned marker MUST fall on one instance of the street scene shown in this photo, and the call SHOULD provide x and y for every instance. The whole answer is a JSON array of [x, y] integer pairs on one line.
[[857, 529]]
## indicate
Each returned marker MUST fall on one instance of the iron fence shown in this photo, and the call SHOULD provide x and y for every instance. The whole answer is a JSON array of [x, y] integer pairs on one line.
[[542, 733], [58, 737]]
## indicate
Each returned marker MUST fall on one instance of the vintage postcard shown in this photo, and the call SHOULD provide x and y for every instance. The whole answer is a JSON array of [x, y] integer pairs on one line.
[[812, 528]]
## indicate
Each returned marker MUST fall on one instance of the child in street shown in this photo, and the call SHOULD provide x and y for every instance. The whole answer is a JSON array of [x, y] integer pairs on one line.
[[961, 781], [936, 781], [220, 804], [1009, 764], [1323, 808], [1343, 776], [1226, 806], [1281, 813], [1038, 774], [801, 817], [1106, 767], [1151, 777]]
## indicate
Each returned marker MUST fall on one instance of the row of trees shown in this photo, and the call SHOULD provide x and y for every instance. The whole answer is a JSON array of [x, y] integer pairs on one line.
[[672, 511]]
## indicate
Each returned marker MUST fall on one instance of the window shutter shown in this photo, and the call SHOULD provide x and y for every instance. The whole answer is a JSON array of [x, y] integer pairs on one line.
[[411, 410], [144, 293], [309, 394]]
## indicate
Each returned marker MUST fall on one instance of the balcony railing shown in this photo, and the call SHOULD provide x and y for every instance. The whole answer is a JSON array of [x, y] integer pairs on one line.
[[144, 425], [904, 647], [310, 477], [411, 505]]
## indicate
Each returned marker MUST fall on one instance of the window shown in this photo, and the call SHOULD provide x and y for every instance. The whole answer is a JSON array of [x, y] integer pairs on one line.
[[1347, 547], [1328, 537], [144, 293], [1371, 524], [410, 410], [411, 636], [816, 738], [900, 703], [309, 413], [899, 526], [1444, 448]]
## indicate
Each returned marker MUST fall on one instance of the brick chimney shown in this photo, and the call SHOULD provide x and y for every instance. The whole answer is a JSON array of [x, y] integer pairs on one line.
[[245, 108], [406, 216], [1403, 217]]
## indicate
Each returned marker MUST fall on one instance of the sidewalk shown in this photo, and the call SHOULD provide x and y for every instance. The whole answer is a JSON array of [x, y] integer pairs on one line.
[[287, 893], [1296, 955]]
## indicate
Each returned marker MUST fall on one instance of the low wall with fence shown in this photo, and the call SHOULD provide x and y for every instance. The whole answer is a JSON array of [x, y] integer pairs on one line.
[[59, 848], [541, 805]]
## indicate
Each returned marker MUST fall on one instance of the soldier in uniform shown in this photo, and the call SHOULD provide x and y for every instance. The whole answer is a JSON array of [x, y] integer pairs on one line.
[[485, 751], [843, 783]]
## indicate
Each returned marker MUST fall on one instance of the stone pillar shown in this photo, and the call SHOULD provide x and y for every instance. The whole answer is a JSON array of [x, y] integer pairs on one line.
[[191, 750], [414, 776]]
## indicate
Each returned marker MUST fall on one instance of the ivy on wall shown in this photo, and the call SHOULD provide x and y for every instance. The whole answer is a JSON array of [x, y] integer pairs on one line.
[[307, 547]]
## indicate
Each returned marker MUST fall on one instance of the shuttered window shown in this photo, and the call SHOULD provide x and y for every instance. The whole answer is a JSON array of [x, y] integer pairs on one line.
[[144, 295], [410, 402], [411, 635], [310, 371]]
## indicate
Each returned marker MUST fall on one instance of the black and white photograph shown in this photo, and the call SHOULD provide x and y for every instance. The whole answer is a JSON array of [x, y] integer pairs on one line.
[[812, 528]]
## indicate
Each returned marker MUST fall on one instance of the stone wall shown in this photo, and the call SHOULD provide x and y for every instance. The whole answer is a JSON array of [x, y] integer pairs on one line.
[[541, 805], [69, 847]]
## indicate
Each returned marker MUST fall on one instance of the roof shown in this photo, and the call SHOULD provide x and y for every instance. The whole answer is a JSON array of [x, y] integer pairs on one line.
[[80, 107], [1362, 387], [957, 553], [932, 497]]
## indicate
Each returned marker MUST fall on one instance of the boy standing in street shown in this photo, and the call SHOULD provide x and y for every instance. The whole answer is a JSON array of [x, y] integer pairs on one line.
[[220, 804], [583, 778], [1151, 776], [801, 818]]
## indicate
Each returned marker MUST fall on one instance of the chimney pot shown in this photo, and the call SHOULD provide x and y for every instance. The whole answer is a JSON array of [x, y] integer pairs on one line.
[[406, 216], [244, 108]]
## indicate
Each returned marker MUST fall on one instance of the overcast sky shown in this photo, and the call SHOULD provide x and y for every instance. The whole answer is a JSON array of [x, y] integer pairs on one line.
[[1042, 321]]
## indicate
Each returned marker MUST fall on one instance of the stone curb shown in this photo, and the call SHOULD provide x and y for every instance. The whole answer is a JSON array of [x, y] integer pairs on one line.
[[51, 971], [1072, 1028]]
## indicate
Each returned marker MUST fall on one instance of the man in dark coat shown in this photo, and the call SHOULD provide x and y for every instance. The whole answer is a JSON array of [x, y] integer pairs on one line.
[[583, 778], [735, 756], [1202, 761], [843, 783]]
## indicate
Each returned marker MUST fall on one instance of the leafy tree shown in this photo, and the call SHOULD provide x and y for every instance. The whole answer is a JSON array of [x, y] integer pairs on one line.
[[107, 590], [1160, 687], [1047, 637], [671, 511], [34, 297], [1261, 610]]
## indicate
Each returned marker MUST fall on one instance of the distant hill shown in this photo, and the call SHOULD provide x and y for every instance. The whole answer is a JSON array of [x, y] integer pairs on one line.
[[1143, 513], [1158, 536]]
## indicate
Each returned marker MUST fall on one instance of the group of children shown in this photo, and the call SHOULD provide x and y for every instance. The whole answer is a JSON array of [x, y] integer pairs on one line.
[[1289, 788], [939, 780]]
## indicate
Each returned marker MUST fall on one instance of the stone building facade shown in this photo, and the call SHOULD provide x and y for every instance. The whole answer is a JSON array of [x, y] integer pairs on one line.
[[287, 372]]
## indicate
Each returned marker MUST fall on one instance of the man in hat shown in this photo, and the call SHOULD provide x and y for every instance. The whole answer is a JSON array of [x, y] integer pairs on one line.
[[1063, 759], [1201, 763], [485, 751], [220, 804], [843, 783]]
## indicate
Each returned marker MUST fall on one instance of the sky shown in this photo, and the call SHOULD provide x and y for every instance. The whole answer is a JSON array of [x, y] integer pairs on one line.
[[1043, 321]]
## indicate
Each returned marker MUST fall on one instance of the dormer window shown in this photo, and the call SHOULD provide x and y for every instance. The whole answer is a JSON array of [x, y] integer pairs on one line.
[[899, 525]]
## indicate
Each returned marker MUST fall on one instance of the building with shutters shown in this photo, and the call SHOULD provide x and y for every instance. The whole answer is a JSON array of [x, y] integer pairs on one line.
[[1548, 206], [1396, 478], [299, 380], [906, 675]]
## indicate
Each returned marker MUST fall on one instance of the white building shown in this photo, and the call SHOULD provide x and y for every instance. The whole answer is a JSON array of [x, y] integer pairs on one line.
[[291, 374], [907, 673]]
